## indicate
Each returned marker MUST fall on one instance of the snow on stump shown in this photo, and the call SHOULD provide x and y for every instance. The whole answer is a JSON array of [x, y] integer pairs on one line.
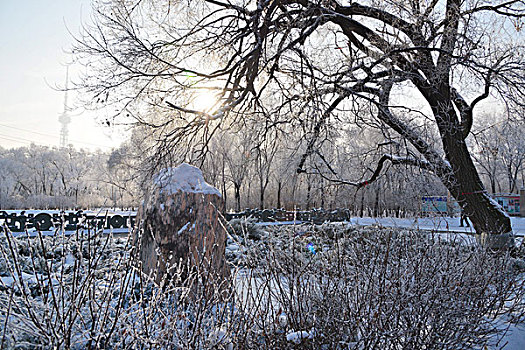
[[180, 232]]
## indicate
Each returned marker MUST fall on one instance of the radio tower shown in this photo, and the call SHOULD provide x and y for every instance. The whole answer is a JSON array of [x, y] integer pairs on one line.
[[64, 118]]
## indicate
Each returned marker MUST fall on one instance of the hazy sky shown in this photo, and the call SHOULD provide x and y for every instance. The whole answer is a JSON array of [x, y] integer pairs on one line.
[[33, 37]]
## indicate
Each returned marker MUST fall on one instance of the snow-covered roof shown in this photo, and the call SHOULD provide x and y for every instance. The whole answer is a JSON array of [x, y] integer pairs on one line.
[[184, 178]]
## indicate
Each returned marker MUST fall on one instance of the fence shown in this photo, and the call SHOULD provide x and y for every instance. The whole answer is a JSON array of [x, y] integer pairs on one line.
[[51, 220]]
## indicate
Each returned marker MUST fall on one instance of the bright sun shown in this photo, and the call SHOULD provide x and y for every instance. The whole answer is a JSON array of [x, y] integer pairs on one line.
[[204, 101]]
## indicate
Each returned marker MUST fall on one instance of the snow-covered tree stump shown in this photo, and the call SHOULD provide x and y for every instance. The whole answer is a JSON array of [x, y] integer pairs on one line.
[[180, 228]]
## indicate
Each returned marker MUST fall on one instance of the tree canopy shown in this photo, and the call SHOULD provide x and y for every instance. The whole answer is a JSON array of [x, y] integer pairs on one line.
[[416, 70]]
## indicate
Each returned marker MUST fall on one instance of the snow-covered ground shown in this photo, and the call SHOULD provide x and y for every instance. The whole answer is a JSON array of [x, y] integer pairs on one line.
[[515, 338], [439, 224]]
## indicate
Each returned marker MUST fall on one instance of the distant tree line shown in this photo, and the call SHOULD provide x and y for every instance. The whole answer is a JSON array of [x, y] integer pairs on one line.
[[47, 178], [254, 169]]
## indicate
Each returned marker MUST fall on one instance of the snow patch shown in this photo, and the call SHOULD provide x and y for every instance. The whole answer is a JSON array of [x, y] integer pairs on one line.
[[497, 205], [282, 320], [184, 178], [297, 337], [29, 279], [70, 260], [232, 248]]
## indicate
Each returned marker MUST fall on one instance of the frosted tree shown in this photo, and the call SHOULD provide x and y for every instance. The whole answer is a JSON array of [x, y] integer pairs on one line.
[[499, 151], [329, 63]]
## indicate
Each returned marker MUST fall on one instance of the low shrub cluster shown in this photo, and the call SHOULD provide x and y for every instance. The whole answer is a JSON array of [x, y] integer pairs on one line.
[[292, 287]]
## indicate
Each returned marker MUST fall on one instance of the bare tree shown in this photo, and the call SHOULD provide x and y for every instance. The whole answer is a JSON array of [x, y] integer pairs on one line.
[[237, 160], [499, 151], [265, 152], [284, 175], [330, 63], [486, 157], [43, 177], [512, 152]]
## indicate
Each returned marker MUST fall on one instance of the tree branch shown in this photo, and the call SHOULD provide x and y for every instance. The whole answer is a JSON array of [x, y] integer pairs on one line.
[[394, 160], [317, 130]]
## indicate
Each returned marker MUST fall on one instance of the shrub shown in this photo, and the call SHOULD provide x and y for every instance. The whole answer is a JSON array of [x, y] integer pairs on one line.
[[391, 289], [296, 287]]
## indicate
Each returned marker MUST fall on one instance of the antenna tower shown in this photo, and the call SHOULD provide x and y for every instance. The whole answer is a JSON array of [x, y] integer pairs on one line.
[[64, 118]]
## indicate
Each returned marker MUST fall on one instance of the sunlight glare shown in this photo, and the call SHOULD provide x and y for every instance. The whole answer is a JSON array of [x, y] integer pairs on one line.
[[205, 101]]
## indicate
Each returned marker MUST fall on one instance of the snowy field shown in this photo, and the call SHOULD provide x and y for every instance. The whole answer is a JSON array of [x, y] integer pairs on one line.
[[438, 224]]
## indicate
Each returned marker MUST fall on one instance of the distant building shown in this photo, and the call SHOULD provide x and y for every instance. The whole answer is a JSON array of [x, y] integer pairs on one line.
[[509, 202], [441, 205]]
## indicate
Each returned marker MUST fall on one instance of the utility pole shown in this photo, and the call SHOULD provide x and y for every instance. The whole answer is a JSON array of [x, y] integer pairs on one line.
[[64, 118]]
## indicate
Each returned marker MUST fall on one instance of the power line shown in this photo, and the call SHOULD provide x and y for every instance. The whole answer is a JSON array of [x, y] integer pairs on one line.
[[21, 139], [51, 135], [14, 140], [27, 141], [31, 131]]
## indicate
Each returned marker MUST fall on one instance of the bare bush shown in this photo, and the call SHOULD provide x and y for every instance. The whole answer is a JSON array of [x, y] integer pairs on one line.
[[391, 289], [303, 287]]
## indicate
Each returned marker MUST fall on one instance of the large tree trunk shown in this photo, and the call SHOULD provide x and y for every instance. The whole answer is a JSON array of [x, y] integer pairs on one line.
[[462, 178], [487, 217]]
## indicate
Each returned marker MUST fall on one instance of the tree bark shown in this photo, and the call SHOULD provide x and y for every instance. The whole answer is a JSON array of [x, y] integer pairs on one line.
[[487, 217], [362, 207], [237, 196], [261, 198], [376, 201], [279, 188]]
